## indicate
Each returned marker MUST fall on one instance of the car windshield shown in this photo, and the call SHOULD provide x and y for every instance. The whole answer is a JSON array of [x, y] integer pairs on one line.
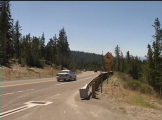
[[64, 72]]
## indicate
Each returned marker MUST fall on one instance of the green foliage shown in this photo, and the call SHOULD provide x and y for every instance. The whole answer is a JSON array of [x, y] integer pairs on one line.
[[6, 33], [139, 86], [133, 84], [129, 64], [16, 40], [83, 60], [152, 72]]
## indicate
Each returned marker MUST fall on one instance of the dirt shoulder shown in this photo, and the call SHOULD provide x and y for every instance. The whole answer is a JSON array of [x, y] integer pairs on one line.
[[114, 98]]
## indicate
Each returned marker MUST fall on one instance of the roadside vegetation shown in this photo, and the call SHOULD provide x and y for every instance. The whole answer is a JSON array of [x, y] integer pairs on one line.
[[148, 71], [122, 87]]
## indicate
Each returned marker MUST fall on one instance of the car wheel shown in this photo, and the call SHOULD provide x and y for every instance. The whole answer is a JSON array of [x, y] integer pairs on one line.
[[58, 80]]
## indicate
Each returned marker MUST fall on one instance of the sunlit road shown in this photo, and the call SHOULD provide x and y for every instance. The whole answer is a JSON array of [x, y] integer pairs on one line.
[[47, 99]]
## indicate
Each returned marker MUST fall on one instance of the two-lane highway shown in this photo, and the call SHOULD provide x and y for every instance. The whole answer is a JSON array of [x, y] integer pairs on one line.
[[47, 99], [16, 94]]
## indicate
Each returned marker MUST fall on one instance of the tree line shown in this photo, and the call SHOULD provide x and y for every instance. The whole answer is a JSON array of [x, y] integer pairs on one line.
[[27, 49], [148, 71], [32, 51]]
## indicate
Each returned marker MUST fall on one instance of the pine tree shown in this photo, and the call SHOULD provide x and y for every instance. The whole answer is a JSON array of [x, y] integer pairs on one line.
[[42, 43], [154, 60], [6, 32], [63, 48], [117, 58], [16, 40]]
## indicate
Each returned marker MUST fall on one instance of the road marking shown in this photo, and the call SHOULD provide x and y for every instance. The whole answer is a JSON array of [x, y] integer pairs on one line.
[[28, 105], [26, 84], [8, 93], [16, 92], [20, 91], [61, 83], [76, 81]]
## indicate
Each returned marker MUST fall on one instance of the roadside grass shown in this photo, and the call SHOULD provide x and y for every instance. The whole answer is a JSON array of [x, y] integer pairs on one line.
[[122, 87], [31, 69], [140, 101], [21, 73]]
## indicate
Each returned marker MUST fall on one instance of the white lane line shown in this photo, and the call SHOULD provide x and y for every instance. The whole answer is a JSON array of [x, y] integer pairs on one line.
[[61, 83], [8, 94], [76, 81], [20, 91], [16, 92], [29, 90], [27, 106]]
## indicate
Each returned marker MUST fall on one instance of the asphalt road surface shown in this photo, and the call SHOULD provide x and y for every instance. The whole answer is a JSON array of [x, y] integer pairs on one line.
[[47, 99]]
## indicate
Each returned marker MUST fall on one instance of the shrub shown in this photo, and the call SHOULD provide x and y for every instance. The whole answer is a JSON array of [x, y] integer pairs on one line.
[[137, 85]]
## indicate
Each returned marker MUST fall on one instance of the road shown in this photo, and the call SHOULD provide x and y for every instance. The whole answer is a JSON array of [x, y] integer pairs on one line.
[[47, 99]]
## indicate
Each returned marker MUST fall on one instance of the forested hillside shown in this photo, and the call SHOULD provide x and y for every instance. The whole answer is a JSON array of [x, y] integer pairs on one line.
[[84, 60]]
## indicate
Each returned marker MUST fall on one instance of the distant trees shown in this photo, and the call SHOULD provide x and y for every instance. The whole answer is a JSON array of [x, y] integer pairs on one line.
[[152, 72], [128, 64], [16, 40], [83, 60]]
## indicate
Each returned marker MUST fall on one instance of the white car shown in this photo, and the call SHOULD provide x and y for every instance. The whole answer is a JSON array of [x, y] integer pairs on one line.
[[66, 75]]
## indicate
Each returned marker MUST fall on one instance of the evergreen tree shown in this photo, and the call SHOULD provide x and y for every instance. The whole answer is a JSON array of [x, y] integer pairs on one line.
[[6, 32], [42, 43], [51, 53], [16, 39], [63, 48], [117, 58], [153, 71], [157, 54]]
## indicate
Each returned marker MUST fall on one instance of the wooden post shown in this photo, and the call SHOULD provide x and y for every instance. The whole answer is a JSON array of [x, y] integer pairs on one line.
[[101, 81], [93, 89], [107, 77]]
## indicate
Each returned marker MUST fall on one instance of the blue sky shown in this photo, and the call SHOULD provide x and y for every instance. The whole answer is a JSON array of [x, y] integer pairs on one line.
[[92, 26]]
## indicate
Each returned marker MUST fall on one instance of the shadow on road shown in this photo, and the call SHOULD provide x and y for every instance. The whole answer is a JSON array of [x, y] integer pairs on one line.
[[90, 97]]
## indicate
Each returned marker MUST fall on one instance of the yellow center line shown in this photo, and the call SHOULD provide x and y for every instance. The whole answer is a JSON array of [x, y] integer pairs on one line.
[[25, 84]]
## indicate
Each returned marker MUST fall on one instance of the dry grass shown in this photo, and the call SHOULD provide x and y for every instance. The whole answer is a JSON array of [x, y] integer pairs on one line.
[[17, 72], [115, 90]]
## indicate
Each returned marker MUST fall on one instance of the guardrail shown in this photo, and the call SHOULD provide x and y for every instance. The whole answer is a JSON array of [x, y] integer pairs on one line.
[[85, 93]]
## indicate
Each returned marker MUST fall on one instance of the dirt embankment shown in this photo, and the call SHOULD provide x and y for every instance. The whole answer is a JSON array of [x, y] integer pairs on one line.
[[130, 105], [16, 72]]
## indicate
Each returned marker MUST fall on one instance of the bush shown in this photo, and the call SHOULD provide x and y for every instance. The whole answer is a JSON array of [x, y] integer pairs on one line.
[[137, 85], [130, 83]]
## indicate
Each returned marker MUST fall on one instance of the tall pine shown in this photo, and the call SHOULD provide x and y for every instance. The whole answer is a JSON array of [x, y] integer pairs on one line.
[[16, 40], [63, 48], [6, 33]]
